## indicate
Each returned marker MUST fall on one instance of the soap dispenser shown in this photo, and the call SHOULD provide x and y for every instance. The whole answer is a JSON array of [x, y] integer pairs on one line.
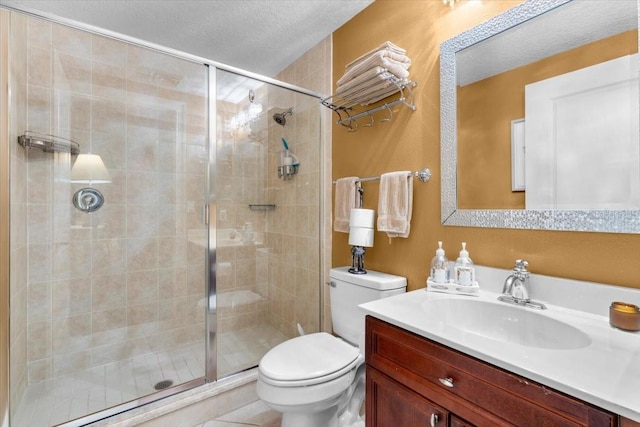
[[464, 272], [440, 266]]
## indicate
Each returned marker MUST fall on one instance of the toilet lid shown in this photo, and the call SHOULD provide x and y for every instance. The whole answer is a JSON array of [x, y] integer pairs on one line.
[[308, 356]]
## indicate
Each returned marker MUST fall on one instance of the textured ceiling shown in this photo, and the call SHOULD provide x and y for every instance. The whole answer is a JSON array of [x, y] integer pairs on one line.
[[261, 36]]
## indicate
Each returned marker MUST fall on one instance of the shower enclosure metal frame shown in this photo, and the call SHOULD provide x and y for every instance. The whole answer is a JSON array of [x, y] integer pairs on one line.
[[208, 210], [209, 214], [5, 156]]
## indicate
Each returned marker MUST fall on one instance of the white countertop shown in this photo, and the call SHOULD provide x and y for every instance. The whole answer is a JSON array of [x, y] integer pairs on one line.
[[605, 373]]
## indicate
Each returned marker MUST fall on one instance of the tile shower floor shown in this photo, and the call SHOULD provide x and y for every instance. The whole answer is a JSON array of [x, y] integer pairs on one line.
[[64, 398]]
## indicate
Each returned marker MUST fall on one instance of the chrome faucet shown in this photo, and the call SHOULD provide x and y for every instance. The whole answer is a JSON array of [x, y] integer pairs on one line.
[[516, 287]]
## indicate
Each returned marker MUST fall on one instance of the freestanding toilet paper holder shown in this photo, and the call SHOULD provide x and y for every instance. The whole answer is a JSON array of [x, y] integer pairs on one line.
[[361, 233]]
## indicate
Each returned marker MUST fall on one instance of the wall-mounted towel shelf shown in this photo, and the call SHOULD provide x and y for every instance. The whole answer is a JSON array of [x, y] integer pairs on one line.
[[368, 91], [48, 143]]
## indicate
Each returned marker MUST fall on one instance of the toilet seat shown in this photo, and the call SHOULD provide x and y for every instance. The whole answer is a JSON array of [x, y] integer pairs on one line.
[[307, 360]]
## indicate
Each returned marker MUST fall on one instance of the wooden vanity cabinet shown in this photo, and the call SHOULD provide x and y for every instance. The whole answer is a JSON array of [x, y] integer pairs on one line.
[[413, 381], [403, 407]]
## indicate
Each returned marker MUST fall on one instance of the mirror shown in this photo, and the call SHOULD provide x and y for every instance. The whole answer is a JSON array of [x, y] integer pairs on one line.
[[529, 46]]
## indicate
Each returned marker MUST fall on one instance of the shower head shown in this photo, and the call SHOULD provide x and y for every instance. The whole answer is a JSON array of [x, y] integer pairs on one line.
[[280, 118]]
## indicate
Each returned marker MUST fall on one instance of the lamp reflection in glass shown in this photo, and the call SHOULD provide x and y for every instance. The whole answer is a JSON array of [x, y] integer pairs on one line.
[[89, 169], [360, 237]]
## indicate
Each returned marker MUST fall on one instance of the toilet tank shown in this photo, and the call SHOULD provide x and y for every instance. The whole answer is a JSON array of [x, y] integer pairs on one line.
[[350, 290]]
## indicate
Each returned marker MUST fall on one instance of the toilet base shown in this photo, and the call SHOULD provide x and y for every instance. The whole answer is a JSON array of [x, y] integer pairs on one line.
[[312, 410]]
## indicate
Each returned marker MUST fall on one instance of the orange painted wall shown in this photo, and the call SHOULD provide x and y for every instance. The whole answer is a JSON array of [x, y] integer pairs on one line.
[[486, 108], [412, 141]]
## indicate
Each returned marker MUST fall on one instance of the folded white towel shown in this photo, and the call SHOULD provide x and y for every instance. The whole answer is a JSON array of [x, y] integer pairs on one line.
[[399, 68], [380, 90], [395, 203], [368, 87], [380, 94], [403, 59], [386, 46], [346, 198], [363, 80]]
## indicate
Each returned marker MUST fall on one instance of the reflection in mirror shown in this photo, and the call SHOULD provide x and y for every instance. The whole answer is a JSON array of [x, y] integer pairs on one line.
[[533, 79]]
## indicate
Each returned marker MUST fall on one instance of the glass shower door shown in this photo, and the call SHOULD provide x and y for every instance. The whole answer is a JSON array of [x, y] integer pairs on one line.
[[114, 298], [267, 227]]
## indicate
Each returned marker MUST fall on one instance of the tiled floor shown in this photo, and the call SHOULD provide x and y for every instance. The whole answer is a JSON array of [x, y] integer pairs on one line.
[[256, 414], [75, 395], [65, 398], [243, 349]]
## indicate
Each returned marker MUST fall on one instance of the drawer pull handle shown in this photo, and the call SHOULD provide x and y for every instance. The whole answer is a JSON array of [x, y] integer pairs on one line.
[[434, 420], [447, 381]]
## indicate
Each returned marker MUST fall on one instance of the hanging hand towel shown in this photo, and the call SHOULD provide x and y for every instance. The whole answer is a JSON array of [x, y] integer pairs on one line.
[[346, 198], [395, 203]]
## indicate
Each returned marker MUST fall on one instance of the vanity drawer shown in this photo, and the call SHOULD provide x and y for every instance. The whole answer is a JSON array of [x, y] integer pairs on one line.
[[469, 387], [392, 404]]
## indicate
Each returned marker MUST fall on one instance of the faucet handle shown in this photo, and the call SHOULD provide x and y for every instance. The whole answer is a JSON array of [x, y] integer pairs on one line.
[[521, 266]]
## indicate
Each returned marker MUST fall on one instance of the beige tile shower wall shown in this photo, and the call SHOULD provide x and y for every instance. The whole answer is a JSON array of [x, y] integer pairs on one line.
[[242, 268], [18, 193], [127, 279], [295, 229]]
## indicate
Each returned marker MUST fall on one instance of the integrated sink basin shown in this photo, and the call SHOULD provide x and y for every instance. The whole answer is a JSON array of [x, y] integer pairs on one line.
[[506, 323], [569, 347]]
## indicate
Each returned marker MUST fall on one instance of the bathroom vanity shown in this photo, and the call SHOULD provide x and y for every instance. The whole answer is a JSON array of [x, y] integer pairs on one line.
[[415, 381], [448, 360]]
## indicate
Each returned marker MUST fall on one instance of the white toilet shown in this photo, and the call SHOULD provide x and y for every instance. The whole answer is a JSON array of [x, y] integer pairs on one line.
[[317, 380]]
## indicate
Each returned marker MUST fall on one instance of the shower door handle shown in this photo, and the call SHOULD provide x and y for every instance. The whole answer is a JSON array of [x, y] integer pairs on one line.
[[205, 214]]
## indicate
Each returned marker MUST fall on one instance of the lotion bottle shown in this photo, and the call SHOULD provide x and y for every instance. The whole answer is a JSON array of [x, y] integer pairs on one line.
[[439, 266], [464, 272]]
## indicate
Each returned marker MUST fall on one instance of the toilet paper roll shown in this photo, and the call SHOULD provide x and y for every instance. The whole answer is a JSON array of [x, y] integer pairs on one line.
[[362, 218], [361, 236]]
